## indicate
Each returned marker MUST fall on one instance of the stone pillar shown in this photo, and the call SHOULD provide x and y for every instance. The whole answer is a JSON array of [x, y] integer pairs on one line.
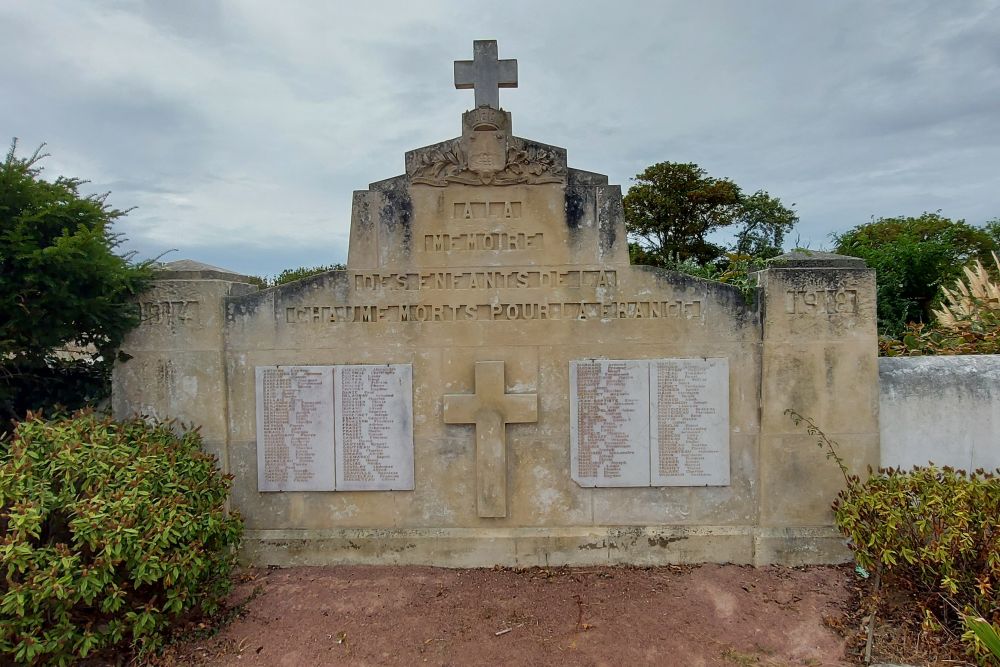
[[819, 358], [172, 365]]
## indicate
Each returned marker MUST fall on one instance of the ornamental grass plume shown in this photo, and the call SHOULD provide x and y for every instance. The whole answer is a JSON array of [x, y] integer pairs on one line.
[[974, 299]]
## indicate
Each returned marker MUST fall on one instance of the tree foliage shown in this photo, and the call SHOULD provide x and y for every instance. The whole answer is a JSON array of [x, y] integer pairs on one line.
[[62, 286], [674, 207], [913, 258]]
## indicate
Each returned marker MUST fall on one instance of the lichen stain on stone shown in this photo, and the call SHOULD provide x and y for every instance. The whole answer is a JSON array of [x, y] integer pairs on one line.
[[590, 546], [663, 541], [609, 215], [574, 208], [397, 212]]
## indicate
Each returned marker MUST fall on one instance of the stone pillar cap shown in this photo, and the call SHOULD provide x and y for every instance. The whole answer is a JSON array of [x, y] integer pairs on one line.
[[188, 269], [814, 259]]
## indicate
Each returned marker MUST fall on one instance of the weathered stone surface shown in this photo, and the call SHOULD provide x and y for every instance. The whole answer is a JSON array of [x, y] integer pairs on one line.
[[491, 409], [819, 359]]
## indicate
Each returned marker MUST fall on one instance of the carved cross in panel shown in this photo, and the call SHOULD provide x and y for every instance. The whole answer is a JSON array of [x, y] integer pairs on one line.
[[491, 409], [485, 73]]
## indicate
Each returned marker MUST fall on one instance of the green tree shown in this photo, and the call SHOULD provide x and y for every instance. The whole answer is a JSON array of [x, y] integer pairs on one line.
[[762, 223], [992, 228], [62, 286], [674, 207], [913, 257]]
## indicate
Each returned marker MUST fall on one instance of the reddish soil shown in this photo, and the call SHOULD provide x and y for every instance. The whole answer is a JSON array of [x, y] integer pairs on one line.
[[704, 615]]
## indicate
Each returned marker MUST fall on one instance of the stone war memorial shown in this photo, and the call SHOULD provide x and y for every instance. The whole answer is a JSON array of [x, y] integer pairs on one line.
[[491, 382]]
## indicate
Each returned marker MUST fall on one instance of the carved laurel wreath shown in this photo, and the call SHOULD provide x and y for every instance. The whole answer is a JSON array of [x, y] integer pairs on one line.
[[525, 164]]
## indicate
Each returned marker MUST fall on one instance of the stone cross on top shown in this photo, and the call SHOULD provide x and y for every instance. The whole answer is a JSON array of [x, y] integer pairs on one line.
[[485, 73]]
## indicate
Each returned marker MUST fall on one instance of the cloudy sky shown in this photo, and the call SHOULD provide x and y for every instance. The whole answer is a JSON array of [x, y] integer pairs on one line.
[[238, 129]]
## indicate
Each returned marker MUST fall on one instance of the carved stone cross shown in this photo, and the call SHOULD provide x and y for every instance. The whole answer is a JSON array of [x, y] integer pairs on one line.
[[485, 73], [491, 409]]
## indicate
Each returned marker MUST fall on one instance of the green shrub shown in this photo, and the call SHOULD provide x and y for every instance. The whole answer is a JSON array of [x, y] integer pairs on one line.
[[981, 336], [111, 530], [933, 530]]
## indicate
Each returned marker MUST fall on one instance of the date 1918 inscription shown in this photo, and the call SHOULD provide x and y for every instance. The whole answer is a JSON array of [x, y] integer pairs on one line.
[[821, 302]]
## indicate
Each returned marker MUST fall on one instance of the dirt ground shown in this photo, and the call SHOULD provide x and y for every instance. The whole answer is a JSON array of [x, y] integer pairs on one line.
[[703, 615]]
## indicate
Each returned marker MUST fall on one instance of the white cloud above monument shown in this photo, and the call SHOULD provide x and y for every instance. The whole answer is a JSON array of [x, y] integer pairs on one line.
[[240, 130]]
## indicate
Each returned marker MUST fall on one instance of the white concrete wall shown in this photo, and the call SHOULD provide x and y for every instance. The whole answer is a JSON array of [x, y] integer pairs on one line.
[[944, 410]]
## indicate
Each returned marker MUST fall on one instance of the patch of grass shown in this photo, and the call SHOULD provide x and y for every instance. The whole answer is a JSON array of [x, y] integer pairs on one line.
[[740, 658]]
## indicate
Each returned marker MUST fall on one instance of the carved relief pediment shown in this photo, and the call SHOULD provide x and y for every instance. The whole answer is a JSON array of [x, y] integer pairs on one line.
[[487, 154], [518, 163]]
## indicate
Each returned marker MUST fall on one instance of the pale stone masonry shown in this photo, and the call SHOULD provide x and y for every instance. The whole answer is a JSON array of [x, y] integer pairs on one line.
[[550, 403]]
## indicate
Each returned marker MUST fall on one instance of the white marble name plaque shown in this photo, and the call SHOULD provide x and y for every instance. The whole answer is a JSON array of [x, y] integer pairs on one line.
[[649, 422], [295, 428], [334, 428], [689, 422], [374, 427], [609, 422]]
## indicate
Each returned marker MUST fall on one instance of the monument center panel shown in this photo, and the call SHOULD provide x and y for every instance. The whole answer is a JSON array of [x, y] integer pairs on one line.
[[470, 226]]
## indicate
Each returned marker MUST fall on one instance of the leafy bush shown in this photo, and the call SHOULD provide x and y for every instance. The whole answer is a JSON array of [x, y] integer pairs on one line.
[[930, 531], [111, 530], [981, 337], [934, 530]]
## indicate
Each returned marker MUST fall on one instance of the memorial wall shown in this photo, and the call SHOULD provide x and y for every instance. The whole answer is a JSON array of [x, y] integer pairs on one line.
[[491, 382]]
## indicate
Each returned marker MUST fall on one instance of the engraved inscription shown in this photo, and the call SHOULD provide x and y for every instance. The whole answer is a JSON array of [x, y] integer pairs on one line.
[[295, 441], [170, 313], [326, 428], [821, 302], [470, 280], [374, 426], [660, 422], [473, 210], [689, 422], [609, 423], [464, 312], [482, 241]]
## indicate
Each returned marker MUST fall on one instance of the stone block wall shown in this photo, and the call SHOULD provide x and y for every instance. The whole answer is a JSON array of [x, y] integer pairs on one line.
[[944, 410]]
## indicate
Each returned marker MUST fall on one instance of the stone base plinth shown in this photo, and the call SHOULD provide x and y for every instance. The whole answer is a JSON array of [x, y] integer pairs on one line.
[[529, 547]]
